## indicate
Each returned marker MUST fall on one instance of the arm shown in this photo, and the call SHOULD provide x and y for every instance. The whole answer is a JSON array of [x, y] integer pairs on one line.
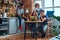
[[43, 19]]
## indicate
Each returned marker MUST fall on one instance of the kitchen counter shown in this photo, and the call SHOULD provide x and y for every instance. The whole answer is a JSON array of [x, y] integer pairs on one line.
[[12, 25]]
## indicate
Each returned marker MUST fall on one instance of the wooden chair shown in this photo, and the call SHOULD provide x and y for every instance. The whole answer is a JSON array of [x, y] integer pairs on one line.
[[48, 31]]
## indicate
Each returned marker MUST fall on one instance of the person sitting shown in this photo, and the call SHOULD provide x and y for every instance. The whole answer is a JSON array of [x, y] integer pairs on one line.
[[33, 17], [19, 14], [43, 25], [32, 26]]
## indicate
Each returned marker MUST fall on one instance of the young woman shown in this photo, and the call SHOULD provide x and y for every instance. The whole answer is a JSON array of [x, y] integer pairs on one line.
[[37, 9], [32, 26]]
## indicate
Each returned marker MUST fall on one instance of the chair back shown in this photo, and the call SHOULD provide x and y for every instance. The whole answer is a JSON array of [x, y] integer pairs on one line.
[[50, 13]]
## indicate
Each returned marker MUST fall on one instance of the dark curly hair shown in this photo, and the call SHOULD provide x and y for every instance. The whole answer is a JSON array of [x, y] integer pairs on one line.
[[37, 4]]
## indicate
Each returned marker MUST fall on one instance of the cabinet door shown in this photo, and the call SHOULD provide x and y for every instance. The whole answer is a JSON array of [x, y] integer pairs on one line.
[[12, 25]]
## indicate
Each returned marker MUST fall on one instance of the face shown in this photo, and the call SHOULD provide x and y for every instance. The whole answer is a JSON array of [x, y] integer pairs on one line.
[[37, 6], [42, 13], [34, 14]]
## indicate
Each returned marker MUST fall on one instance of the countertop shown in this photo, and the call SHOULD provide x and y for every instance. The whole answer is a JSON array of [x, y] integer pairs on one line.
[[8, 17]]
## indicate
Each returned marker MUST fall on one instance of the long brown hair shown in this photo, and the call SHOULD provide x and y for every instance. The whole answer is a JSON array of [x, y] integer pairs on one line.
[[34, 13]]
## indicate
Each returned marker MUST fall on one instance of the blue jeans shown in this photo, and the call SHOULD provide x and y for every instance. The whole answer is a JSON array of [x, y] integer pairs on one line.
[[45, 28], [19, 20], [42, 29]]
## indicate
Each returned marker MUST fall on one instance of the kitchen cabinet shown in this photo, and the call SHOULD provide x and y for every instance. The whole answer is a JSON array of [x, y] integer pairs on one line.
[[13, 25], [4, 28], [9, 25]]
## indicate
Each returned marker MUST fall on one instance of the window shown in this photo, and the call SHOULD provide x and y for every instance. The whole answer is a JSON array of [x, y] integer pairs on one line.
[[57, 11], [56, 2], [49, 6], [48, 3], [39, 2], [48, 9]]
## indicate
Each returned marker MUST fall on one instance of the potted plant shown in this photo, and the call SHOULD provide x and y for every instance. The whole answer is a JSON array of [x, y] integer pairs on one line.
[[58, 29], [53, 31], [12, 15]]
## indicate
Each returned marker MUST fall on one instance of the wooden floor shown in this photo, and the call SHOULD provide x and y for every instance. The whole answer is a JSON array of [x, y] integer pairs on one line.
[[28, 37], [21, 37]]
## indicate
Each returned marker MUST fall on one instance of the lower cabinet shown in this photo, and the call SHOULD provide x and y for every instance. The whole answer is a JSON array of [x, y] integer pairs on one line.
[[9, 25], [12, 25]]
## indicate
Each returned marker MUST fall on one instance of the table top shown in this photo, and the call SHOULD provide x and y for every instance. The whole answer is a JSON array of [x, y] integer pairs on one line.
[[36, 21], [33, 21]]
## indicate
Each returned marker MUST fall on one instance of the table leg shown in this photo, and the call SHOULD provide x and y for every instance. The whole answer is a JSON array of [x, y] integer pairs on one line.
[[36, 30], [36, 36], [25, 32]]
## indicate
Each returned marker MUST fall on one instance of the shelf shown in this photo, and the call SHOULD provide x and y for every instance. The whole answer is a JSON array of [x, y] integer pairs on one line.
[[1, 29], [3, 24], [9, 3]]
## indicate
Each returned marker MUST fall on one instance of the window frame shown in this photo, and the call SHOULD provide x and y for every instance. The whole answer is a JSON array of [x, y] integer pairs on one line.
[[53, 7]]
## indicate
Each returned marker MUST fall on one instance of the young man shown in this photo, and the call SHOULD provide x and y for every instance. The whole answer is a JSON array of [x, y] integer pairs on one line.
[[43, 25], [20, 13]]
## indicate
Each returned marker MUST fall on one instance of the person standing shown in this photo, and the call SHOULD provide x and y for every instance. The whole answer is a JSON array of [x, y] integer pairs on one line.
[[37, 9]]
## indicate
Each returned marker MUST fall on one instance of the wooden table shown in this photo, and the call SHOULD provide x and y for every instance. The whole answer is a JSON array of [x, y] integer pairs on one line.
[[31, 22]]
